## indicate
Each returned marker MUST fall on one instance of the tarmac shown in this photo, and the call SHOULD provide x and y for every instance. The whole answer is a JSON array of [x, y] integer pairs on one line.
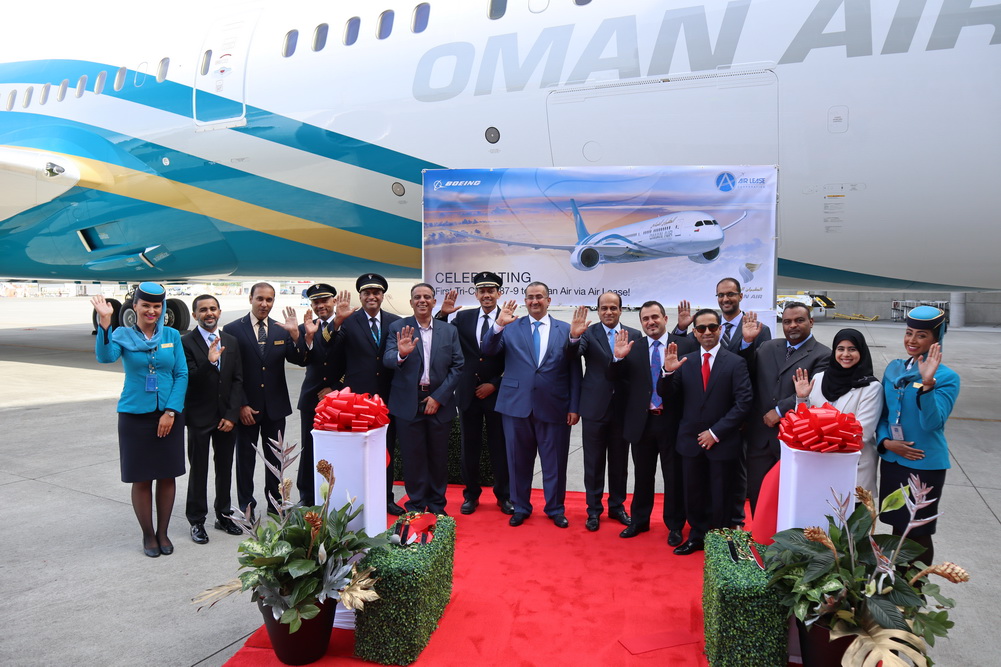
[[80, 592]]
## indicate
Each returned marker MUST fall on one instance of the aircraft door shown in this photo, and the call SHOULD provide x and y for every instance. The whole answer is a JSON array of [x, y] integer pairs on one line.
[[220, 73]]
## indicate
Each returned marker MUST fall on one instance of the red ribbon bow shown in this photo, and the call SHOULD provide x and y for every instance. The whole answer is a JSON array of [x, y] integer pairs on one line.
[[821, 429], [346, 411]]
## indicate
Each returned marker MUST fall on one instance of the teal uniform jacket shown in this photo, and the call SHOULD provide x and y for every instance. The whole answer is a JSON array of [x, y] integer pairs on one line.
[[922, 414], [171, 372]]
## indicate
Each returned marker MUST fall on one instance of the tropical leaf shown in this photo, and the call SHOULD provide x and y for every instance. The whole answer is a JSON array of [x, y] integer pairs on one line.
[[301, 566], [885, 613], [874, 645], [819, 565], [894, 501]]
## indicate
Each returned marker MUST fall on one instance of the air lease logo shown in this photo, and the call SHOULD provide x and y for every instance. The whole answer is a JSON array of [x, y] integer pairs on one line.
[[725, 181], [438, 185]]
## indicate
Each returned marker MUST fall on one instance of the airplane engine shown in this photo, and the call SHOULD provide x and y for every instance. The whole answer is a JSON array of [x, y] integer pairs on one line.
[[585, 258], [705, 257]]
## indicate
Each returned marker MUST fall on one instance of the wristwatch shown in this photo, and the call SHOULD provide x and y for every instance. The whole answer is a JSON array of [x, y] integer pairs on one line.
[[170, 413]]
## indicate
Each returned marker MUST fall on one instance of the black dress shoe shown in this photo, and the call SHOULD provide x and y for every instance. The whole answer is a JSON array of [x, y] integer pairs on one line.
[[592, 523], [394, 509], [153, 551], [469, 506], [620, 516], [198, 534], [560, 520], [226, 525], [674, 538], [634, 529], [506, 506], [689, 547], [166, 549], [517, 519]]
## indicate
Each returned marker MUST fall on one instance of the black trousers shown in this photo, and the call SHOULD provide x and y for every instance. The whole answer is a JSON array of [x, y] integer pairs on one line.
[[708, 493], [223, 444], [659, 437], [246, 460], [424, 446], [603, 441], [471, 422]]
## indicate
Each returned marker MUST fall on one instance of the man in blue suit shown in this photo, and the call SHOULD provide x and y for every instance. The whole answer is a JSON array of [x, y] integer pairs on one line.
[[265, 346], [427, 359], [539, 397], [716, 393]]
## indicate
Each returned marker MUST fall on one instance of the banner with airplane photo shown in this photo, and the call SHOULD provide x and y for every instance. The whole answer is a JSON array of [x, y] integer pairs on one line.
[[648, 233]]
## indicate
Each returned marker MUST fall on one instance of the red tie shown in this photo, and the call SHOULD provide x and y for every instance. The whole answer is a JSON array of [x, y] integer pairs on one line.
[[705, 369]]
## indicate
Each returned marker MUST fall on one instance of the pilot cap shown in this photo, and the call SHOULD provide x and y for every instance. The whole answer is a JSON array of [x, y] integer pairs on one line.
[[487, 279], [371, 281], [928, 317], [150, 292], [320, 291]]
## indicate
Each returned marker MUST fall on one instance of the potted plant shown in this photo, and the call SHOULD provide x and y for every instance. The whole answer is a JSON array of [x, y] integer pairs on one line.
[[859, 584], [299, 562]]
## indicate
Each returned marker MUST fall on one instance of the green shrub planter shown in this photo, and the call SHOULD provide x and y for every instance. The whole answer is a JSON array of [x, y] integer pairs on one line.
[[745, 621], [415, 584]]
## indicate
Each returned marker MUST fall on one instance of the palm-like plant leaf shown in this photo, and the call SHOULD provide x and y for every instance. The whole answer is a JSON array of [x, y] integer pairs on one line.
[[874, 644]]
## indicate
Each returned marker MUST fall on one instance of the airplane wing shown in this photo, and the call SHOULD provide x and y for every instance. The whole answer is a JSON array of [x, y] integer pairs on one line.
[[735, 221], [567, 248]]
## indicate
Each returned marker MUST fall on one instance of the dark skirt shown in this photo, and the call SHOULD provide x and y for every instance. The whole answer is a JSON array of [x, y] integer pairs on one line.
[[144, 456], [894, 475]]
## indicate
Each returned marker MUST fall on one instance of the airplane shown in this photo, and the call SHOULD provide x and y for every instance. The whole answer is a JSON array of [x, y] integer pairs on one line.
[[190, 141], [694, 234]]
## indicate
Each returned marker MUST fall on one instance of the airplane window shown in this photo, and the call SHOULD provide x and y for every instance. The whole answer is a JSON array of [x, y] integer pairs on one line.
[[581, 3], [43, 95], [291, 39], [351, 30], [699, 223], [206, 62], [140, 77], [320, 36], [81, 86], [11, 98], [420, 22], [161, 70], [497, 8], [385, 24], [61, 95], [27, 97], [120, 78], [99, 82]]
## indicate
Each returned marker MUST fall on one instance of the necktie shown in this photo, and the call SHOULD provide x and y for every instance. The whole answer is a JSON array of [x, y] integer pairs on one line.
[[375, 329], [537, 341], [728, 328], [789, 351], [212, 338], [483, 329], [611, 340], [262, 335], [655, 364], [705, 369], [325, 327]]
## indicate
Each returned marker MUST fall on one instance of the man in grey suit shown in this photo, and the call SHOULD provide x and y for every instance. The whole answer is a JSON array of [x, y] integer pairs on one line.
[[539, 397], [427, 359], [772, 367]]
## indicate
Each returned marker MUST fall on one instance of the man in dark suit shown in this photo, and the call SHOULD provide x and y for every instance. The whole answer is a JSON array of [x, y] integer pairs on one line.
[[476, 393], [358, 349], [729, 295], [602, 404], [265, 346], [320, 378], [716, 396], [539, 397], [427, 359], [651, 424], [773, 367], [212, 410]]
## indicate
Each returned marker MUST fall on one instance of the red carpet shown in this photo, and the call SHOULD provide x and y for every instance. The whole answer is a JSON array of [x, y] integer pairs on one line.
[[540, 595]]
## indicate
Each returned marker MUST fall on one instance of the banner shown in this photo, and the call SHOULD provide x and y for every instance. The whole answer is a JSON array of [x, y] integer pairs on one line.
[[648, 233]]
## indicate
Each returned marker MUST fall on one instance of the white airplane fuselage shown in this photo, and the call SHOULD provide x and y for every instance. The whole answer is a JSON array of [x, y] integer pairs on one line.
[[192, 140]]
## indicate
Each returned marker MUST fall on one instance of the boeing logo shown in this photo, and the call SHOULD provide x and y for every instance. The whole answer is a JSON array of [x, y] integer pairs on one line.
[[438, 185], [725, 182]]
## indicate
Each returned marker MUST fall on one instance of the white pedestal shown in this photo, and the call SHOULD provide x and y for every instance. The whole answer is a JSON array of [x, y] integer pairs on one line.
[[805, 484], [359, 461]]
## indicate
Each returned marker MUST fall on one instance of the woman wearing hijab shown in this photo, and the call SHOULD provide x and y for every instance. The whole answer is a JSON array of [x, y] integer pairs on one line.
[[849, 385], [150, 426], [919, 393]]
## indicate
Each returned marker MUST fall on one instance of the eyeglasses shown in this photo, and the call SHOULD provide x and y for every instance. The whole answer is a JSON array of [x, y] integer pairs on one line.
[[702, 327], [724, 295]]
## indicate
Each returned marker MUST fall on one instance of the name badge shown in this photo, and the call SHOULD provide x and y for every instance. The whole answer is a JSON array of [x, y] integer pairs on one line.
[[167, 345], [151, 383], [279, 342], [897, 431], [917, 385]]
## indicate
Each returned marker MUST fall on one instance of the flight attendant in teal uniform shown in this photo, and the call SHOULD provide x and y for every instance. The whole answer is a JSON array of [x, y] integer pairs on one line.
[[150, 426]]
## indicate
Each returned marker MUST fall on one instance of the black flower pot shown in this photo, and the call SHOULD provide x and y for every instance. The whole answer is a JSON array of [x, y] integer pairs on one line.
[[309, 643], [817, 648]]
